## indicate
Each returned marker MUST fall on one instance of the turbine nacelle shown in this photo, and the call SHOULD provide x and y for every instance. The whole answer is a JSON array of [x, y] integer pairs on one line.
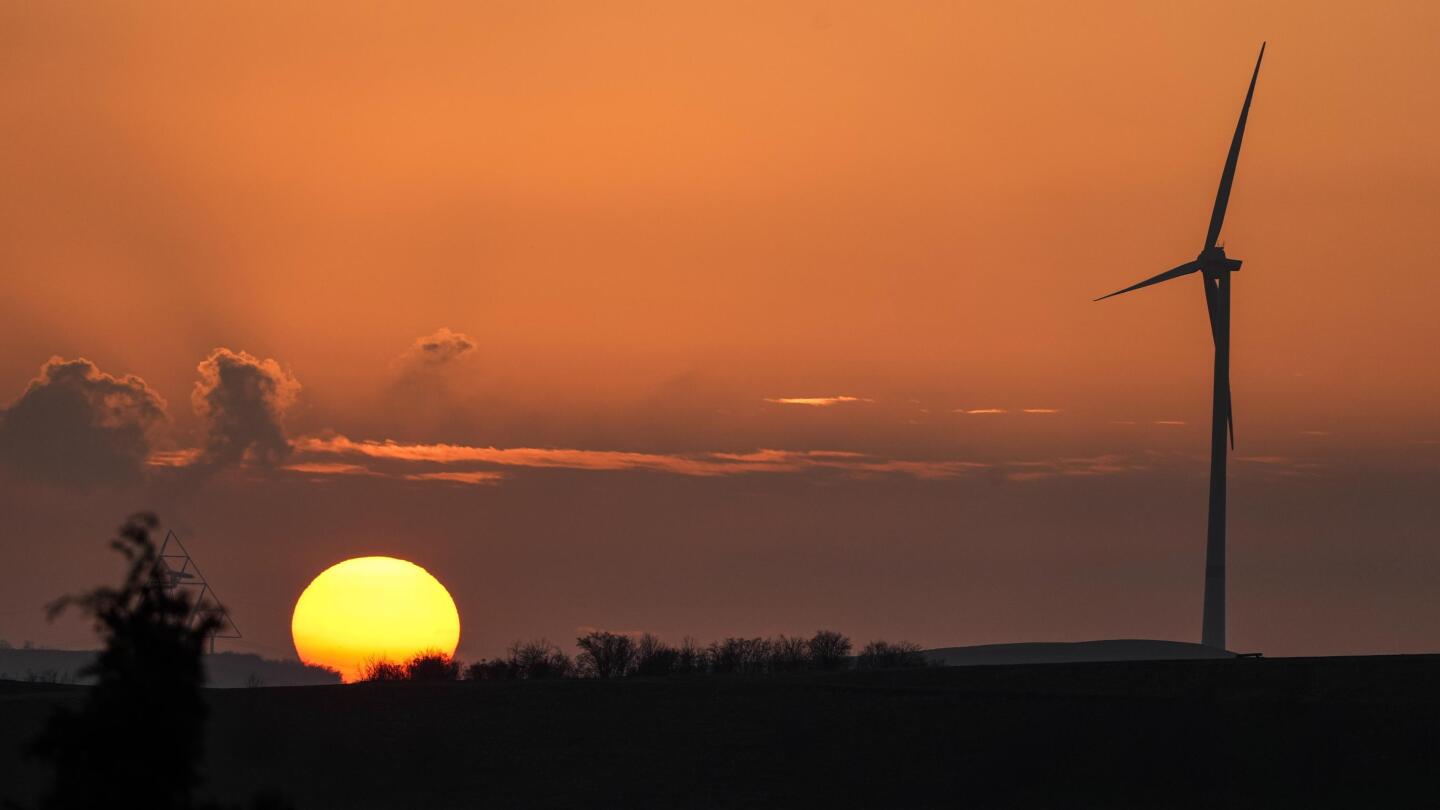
[[1213, 261]]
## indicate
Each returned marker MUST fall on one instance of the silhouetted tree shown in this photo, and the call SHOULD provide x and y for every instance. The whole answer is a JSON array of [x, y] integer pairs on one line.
[[654, 658], [432, 665], [787, 654], [380, 669], [690, 658], [828, 650], [739, 656], [136, 740], [884, 655], [539, 660], [496, 670], [605, 655]]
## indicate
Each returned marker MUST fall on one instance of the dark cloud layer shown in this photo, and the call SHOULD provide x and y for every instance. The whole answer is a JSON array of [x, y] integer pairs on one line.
[[241, 399], [77, 424]]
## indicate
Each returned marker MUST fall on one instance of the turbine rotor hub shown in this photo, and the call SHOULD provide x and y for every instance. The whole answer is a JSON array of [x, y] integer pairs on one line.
[[1213, 261]]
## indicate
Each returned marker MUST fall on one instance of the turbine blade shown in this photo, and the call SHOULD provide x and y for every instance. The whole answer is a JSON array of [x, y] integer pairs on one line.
[[1230, 413], [1227, 177], [1174, 272], [1210, 293]]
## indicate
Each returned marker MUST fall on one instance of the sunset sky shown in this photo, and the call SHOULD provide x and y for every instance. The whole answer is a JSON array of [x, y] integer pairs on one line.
[[726, 319]]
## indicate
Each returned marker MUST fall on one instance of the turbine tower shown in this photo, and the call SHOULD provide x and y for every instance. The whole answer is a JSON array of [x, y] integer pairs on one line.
[[1215, 268]]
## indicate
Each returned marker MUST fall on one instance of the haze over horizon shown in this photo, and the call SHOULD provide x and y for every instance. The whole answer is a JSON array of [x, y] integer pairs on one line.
[[729, 321]]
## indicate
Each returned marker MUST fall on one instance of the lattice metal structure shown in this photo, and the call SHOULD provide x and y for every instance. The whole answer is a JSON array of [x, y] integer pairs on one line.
[[179, 572]]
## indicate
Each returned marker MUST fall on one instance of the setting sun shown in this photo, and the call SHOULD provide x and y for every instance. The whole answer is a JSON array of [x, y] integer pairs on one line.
[[372, 608]]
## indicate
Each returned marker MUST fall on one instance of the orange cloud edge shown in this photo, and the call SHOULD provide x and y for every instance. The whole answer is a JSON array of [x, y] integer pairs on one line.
[[338, 455]]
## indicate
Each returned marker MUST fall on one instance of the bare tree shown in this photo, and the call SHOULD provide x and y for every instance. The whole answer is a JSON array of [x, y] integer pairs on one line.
[[539, 660], [605, 655], [829, 650], [885, 655], [739, 655], [497, 670], [691, 658], [787, 654], [432, 665], [655, 658], [381, 669]]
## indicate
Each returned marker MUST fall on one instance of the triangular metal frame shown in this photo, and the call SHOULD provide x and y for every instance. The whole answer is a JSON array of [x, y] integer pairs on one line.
[[178, 570]]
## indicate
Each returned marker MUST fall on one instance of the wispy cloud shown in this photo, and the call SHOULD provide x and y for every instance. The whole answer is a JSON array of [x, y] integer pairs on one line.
[[1072, 466], [173, 458], [816, 402], [697, 464], [1171, 422], [336, 455], [486, 477], [1041, 410], [1272, 460], [329, 468], [980, 411]]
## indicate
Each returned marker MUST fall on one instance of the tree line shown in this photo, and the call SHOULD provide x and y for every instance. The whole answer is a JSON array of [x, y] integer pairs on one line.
[[603, 654]]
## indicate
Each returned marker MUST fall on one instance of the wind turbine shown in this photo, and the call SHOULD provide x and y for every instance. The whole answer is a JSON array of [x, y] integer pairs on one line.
[[1215, 268]]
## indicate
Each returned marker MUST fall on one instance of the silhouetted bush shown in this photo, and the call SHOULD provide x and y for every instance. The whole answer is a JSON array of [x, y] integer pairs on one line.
[[884, 655], [690, 658], [654, 658], [137, 739], [539, 660], [787, 654], [529, 661], [382, 670], [605, 655], [828, 650], [432, 665], [497, 670], [746, 656]]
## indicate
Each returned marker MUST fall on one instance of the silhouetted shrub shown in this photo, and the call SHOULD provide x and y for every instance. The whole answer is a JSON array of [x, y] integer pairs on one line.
[[605, 655], [787, 654], [497, 670], [137, 739], [690, 658], [654, 658], [539, 660], [828, 650], [432, 665], [884, 655], [382, 670], [739, 656]]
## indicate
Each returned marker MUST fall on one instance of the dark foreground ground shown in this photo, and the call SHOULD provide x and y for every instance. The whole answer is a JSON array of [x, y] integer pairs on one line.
[[1358, 732]]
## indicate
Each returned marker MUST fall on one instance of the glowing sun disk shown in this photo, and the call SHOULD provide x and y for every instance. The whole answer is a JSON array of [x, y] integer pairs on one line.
[[371, 608]]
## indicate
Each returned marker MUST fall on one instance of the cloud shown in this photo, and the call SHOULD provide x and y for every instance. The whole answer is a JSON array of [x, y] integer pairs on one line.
[[78, 424], [329, 468], [241, 399], [698, 464], [340, 455], [471, 477], [1041, 410], [816, 402], [980, 411], [438, 349], [1071, 466], [1170, 422]]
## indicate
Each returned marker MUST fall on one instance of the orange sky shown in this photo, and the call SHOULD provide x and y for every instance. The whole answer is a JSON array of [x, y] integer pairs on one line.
[[651, 222]]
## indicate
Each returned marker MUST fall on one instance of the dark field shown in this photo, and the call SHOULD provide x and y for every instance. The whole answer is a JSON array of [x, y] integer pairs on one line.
[[1237, 733]]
